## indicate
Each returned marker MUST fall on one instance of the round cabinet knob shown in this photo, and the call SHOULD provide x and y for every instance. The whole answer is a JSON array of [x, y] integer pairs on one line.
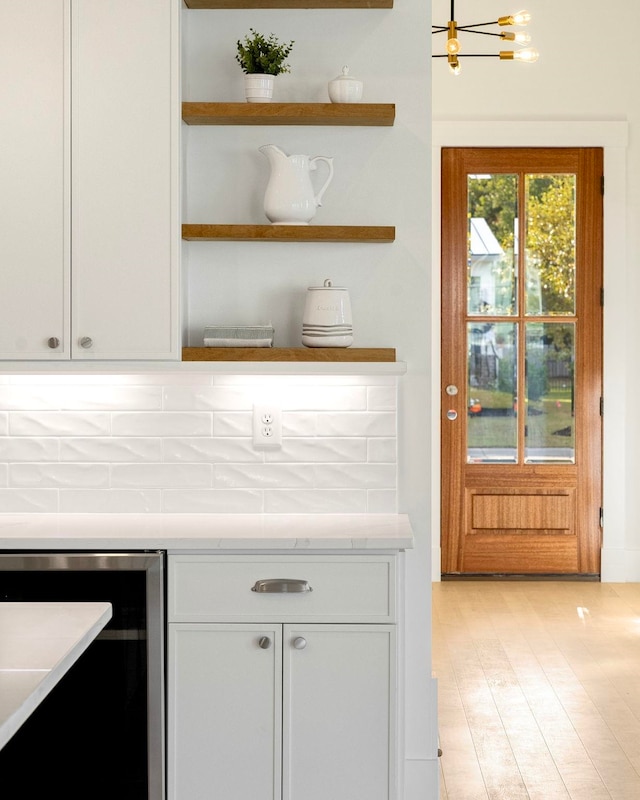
[[53, 342], [264, 642], [300, 643], [86, 342]]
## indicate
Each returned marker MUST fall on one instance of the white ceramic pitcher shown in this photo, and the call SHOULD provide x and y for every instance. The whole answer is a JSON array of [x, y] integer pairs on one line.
[[290, 198]]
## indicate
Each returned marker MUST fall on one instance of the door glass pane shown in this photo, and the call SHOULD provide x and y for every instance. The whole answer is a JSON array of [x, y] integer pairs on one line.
[[550, 253], [491, 249], [550, 395], [492, 434]]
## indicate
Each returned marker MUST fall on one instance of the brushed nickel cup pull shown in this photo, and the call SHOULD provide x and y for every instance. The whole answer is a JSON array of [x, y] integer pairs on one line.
[[264, 642], [281, 586]]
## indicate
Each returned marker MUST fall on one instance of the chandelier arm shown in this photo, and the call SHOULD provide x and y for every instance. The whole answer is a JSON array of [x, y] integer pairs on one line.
[[438, 29], [477, 25], [481, 33], [467, 55]]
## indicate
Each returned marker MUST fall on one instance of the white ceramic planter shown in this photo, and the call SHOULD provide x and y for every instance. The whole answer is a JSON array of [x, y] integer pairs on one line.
[[258, 88]]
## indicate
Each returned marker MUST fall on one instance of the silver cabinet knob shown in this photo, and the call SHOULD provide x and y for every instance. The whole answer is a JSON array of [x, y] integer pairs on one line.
[[300, 643], [264, 642], [53, 342], [86, 342]]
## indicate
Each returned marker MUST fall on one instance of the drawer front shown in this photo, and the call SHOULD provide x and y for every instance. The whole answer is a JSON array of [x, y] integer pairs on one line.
[[294, 588]]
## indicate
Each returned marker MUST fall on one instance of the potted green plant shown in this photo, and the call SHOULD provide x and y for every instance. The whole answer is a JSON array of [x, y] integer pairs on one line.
[[261, 59]]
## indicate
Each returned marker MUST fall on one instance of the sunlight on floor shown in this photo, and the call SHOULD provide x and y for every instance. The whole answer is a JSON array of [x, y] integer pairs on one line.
[[539, 690]]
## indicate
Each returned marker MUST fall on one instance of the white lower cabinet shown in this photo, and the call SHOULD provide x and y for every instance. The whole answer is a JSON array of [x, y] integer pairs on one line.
[[281, 710]]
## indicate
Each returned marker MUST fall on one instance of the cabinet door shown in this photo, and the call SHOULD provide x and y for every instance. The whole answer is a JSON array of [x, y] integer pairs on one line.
[[339, 712], [225, 695], [34, 162], [125, 131]]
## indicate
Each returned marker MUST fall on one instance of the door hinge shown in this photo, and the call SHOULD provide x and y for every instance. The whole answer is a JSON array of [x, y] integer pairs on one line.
[[602, 184], [601, 517], [602, 406]]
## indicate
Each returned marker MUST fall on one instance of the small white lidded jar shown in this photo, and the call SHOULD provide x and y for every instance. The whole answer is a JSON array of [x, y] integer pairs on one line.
[[345, 89], [327, 318]]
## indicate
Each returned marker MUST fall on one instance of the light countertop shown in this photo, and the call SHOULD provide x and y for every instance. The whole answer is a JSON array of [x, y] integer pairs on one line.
[[205, 532], [39, 642]]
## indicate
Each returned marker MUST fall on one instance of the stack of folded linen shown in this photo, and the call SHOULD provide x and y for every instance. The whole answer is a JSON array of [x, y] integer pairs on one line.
[[238, 336]]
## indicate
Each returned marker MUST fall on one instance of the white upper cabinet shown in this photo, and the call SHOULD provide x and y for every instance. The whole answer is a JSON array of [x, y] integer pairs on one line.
[[125, 216], [89, 123], [34, 165]]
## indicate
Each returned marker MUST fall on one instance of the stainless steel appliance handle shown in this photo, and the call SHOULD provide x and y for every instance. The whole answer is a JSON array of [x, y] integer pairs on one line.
[[281, 586]]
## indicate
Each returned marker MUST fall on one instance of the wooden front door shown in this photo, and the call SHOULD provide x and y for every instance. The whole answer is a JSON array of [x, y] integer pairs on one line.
[[521, 360]]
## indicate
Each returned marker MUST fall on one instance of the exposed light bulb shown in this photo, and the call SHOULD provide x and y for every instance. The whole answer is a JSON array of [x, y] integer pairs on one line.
[[454, 65], [453, 46], [521, 18], [520, 37], [528, 54]]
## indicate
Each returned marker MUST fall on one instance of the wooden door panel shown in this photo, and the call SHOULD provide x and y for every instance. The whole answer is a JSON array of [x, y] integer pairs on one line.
[[516, 554], [509, 511]]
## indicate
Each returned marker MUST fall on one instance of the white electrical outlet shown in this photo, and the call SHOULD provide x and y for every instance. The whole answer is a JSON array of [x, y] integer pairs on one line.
[[267, 426]]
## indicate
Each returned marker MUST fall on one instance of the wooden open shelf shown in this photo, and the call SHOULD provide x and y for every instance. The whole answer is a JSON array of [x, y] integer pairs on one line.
[[369, 114], [233, 4], [290, 233], [317, 354]]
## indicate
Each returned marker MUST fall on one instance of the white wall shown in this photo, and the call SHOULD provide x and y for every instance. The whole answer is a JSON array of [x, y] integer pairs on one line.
[[585, 76], [382, 177]]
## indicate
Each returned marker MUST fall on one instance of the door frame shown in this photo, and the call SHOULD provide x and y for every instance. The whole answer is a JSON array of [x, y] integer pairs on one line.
[[613, 137]]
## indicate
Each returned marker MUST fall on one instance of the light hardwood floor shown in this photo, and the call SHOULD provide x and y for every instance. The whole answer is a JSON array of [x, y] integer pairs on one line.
[[539, 689]]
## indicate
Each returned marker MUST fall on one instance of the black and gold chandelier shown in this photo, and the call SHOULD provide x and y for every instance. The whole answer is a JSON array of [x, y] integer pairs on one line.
[[453, 47]]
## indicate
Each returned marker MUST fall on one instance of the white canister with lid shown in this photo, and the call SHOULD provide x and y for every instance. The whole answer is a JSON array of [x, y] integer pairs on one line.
[[345, 89], [327, 320]]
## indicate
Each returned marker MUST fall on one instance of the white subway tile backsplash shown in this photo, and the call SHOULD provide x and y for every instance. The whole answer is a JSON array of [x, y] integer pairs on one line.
[[319, 449], [299, 423], [325, 398], [111, 449], [52, 476], [207, 398], [350, 424], [168, 443], [160, 476], [215, 450], [27, 397], [170, 423], [354, 476], [110, 398], [27, 448], [28, 501], [382, 450], [382, 502], [112, 501], [381, 398], [264, 476], [59, 423], [213, 501], [228, 423], [300, 501]]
